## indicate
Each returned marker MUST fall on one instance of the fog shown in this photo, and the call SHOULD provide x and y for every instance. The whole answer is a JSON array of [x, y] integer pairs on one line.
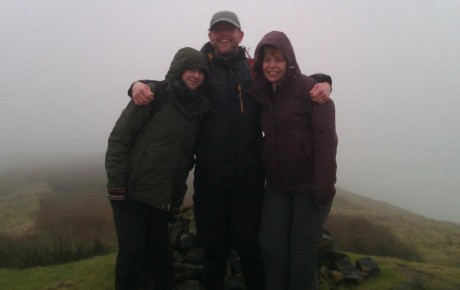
[[65, 67]]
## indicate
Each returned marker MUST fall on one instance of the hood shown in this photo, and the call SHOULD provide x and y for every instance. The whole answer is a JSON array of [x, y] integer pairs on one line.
[[280, 41], [186, 58]]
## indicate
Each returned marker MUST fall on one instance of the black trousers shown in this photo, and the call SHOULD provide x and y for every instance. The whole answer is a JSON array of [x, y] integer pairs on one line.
[[226, 216], [290, 232], [143, 245]]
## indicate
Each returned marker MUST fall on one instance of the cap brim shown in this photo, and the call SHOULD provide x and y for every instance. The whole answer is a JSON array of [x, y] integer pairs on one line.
[[228, 20]]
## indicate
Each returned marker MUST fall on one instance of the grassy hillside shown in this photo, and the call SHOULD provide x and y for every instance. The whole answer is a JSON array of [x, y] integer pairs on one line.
[[92, 274], [439, 241], [97, 273], [18, 207], [60, 194]]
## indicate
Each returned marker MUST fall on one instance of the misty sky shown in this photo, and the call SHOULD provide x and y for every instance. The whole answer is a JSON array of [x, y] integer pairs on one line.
[[65, 67]]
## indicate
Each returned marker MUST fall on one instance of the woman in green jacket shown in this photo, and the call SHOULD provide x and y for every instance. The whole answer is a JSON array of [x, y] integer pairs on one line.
[[149, 156]]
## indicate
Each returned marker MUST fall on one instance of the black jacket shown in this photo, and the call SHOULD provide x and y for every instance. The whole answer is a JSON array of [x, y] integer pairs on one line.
[[230, 138]]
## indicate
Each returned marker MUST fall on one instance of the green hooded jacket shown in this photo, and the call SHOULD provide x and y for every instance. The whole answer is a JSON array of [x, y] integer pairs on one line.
[[150, 152]]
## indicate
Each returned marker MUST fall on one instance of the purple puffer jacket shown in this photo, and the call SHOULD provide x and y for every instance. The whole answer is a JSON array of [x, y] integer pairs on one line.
[[300, 138]]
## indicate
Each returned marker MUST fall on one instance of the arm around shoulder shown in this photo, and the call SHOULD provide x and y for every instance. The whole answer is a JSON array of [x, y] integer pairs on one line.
[[141, 93], [322, 90], [322, 78]]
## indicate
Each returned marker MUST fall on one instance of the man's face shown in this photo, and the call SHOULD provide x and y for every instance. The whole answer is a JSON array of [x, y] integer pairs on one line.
[[225, 38]]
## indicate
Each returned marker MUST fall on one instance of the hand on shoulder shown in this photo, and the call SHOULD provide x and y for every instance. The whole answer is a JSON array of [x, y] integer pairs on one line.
[[142, 95], [320, 93]]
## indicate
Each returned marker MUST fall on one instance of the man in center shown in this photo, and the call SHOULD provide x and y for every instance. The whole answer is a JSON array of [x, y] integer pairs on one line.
[[229, 179]]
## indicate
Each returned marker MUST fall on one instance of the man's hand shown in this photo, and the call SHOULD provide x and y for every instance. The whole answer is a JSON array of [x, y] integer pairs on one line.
[[142, 95], [320, 93]]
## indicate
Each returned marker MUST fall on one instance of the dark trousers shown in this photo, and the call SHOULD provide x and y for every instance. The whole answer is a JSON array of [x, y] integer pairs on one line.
[[143, 245], [290, 232], [225, 217]]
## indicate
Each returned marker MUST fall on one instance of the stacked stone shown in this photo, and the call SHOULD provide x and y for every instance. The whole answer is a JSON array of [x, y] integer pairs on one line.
[[336, 267], [188, 257]]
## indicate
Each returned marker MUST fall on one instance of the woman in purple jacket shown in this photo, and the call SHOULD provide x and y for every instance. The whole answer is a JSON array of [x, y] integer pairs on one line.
[[299, 155]]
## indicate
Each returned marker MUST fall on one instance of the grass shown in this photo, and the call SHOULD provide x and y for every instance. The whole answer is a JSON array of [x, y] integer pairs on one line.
[[96, 273], [397, 273], [64, 216], [438, 241], [18, 208]]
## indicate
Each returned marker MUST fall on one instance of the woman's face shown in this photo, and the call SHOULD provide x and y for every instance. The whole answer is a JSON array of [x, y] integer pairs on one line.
[[274, 65], [193, 78]]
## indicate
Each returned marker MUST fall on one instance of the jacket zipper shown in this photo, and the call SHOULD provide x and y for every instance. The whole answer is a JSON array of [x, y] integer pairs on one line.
[[275, 123]]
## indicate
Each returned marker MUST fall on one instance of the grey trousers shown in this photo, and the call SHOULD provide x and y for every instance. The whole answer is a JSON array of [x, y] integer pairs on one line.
[[291, 228]]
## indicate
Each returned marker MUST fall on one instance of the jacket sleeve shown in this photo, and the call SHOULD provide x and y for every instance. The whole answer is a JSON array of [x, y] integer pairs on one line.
[[322, 78], [120, 143], [325, 151], [130, 90]]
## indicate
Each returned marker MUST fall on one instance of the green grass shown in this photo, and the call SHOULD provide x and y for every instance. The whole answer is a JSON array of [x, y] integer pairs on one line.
[[396, 273], [438, 241], [17, 208], [96, 273]]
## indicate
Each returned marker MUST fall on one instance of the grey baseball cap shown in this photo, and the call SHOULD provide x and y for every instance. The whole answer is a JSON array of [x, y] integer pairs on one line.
[[226, 16]]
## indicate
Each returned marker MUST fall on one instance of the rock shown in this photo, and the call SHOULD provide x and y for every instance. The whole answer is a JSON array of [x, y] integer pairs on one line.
[[194, 256], [175, 232], [177, 256], [353, 278], [189, 285], [184, 272], [236, 282], [337, 266], [336, 276], [344, 265], [367, 265], [234, 263], [188, 241]]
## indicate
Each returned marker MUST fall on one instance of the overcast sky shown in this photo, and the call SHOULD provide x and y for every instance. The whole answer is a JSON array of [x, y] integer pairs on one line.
[[65, 67]]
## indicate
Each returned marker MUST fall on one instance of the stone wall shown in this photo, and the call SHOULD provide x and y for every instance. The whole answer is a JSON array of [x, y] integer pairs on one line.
[[336, 268]]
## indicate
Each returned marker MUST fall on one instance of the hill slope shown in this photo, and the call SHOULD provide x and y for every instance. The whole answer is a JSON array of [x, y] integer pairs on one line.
[[439, 241]]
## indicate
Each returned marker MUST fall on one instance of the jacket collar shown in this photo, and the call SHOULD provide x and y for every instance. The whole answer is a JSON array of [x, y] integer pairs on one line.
[[210, 53]]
